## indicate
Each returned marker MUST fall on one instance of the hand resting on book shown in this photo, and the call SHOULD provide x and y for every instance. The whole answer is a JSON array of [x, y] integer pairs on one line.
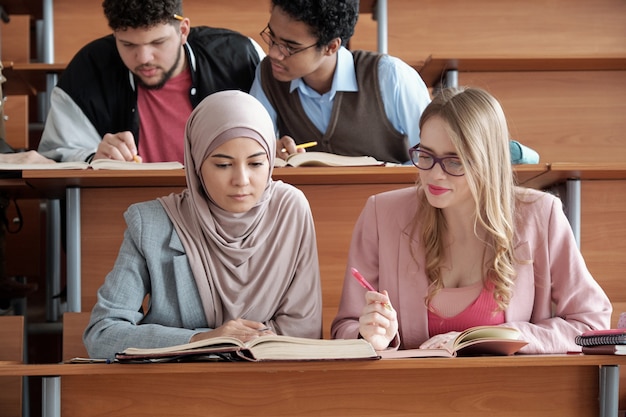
[[440, 341], [242, 329]]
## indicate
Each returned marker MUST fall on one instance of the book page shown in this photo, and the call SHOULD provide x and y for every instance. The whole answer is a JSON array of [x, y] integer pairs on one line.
[[270, 347], [215, 341], [488, 340], [415, 353], [280, 163], [486, 332], [479, 340], [273, 347], [329, 159], [132, 165], [97, 164], [57, 165]]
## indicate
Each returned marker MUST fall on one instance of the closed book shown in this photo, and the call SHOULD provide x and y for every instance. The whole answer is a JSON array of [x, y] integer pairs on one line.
[[602, 337], [605, 350]]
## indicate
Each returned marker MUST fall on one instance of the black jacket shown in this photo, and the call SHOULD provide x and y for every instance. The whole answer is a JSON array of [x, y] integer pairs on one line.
[[99, 85]]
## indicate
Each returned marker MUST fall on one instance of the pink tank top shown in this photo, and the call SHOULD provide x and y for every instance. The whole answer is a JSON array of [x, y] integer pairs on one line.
[[481, 312], [163, 114]]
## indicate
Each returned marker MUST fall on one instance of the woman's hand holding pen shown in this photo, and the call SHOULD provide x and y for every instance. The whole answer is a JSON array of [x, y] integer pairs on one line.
[[378, 323]]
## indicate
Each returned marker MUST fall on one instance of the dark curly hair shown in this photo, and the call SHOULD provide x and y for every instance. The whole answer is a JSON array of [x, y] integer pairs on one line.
[[328, 19], [134, 14]]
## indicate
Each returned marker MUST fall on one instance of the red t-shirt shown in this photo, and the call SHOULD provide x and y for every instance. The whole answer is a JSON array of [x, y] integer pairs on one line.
[[163, 114]]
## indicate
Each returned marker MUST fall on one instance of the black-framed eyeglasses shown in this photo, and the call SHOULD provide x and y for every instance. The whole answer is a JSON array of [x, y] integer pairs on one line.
[[451, 165], [284, 49]]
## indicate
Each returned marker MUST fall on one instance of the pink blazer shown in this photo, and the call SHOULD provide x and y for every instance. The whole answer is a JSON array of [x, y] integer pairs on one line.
[[555, 297]]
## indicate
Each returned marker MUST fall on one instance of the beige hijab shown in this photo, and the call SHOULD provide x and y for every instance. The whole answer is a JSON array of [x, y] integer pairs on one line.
[[243, 263]]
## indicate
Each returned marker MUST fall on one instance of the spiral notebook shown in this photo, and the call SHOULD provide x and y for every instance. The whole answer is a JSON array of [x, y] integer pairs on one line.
[[602, 337]]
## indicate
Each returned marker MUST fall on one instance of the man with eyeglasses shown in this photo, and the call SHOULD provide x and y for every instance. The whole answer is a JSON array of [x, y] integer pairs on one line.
[[315, 89], [350, 103], [127, 96]]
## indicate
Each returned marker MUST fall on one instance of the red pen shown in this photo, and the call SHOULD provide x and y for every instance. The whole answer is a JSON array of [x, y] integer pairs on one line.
[[356, 274]]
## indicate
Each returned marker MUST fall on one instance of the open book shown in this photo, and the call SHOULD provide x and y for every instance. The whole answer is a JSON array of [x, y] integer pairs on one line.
[[263, 348], [326, 159], [475, 341], [95, 164]]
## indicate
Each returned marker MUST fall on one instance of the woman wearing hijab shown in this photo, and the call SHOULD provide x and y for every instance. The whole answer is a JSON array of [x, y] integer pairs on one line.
[[232, 255]]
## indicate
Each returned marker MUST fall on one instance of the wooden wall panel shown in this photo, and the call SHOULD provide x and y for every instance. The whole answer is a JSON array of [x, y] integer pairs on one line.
[[603, 237], [16, 124], [494, 28], [566, 116], [76, 23], [15, 39]]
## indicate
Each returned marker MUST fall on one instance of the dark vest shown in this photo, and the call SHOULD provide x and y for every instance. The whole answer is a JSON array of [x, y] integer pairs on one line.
[[358, 122]]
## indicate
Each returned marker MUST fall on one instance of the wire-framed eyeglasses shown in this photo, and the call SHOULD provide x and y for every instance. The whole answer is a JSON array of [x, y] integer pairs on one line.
[[284, 49], [451, 165]]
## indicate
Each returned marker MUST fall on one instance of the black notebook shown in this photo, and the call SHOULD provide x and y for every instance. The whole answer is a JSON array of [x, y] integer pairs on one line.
[[602, 337]]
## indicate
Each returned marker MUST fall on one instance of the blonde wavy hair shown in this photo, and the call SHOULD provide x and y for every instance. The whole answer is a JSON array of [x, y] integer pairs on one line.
[[478, 130]]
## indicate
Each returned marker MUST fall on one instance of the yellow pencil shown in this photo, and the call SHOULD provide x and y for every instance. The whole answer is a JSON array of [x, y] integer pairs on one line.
[[136, 159], [178, 17], [302, 146]]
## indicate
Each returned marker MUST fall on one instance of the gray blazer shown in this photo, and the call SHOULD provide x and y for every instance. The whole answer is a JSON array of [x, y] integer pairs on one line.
[[151, 284]]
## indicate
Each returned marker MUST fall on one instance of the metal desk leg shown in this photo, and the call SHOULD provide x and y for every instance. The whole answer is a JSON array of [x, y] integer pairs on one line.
[[381, 18], [73, 249], [572, 206], [51, 396], [452, 78], [53, 259], [48, 29], [609, 390]]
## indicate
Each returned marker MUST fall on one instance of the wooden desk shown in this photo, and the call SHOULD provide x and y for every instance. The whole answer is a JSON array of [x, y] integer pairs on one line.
[[28, 78], [552, 385], [434, 69], [96, 201], [571, 174], [17, 188]]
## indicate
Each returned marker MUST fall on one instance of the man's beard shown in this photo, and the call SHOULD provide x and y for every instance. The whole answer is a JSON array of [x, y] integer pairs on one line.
[[166, 76]]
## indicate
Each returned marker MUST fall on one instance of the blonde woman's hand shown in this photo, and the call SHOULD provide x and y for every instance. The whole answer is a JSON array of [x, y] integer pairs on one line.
[[439, 341], [378, 323]]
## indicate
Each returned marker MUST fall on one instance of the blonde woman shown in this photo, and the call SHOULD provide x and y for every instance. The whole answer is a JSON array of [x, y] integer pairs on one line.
[[466, 247]]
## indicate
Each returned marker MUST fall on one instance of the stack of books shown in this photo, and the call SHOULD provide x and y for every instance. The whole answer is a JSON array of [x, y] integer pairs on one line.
[[603, 342]]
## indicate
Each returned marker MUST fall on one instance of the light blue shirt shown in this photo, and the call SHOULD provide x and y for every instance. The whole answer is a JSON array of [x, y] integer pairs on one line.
[[403, 91]]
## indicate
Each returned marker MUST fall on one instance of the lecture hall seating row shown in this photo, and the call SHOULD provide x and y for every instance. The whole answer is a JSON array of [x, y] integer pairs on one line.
[[566, 112]]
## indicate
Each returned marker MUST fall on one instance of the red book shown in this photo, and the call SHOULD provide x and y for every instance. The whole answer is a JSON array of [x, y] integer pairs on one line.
[[605, 350]]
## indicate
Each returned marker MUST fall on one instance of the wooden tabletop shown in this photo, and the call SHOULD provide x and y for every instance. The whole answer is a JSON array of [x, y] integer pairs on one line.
[[16, 369], [433, 68]]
